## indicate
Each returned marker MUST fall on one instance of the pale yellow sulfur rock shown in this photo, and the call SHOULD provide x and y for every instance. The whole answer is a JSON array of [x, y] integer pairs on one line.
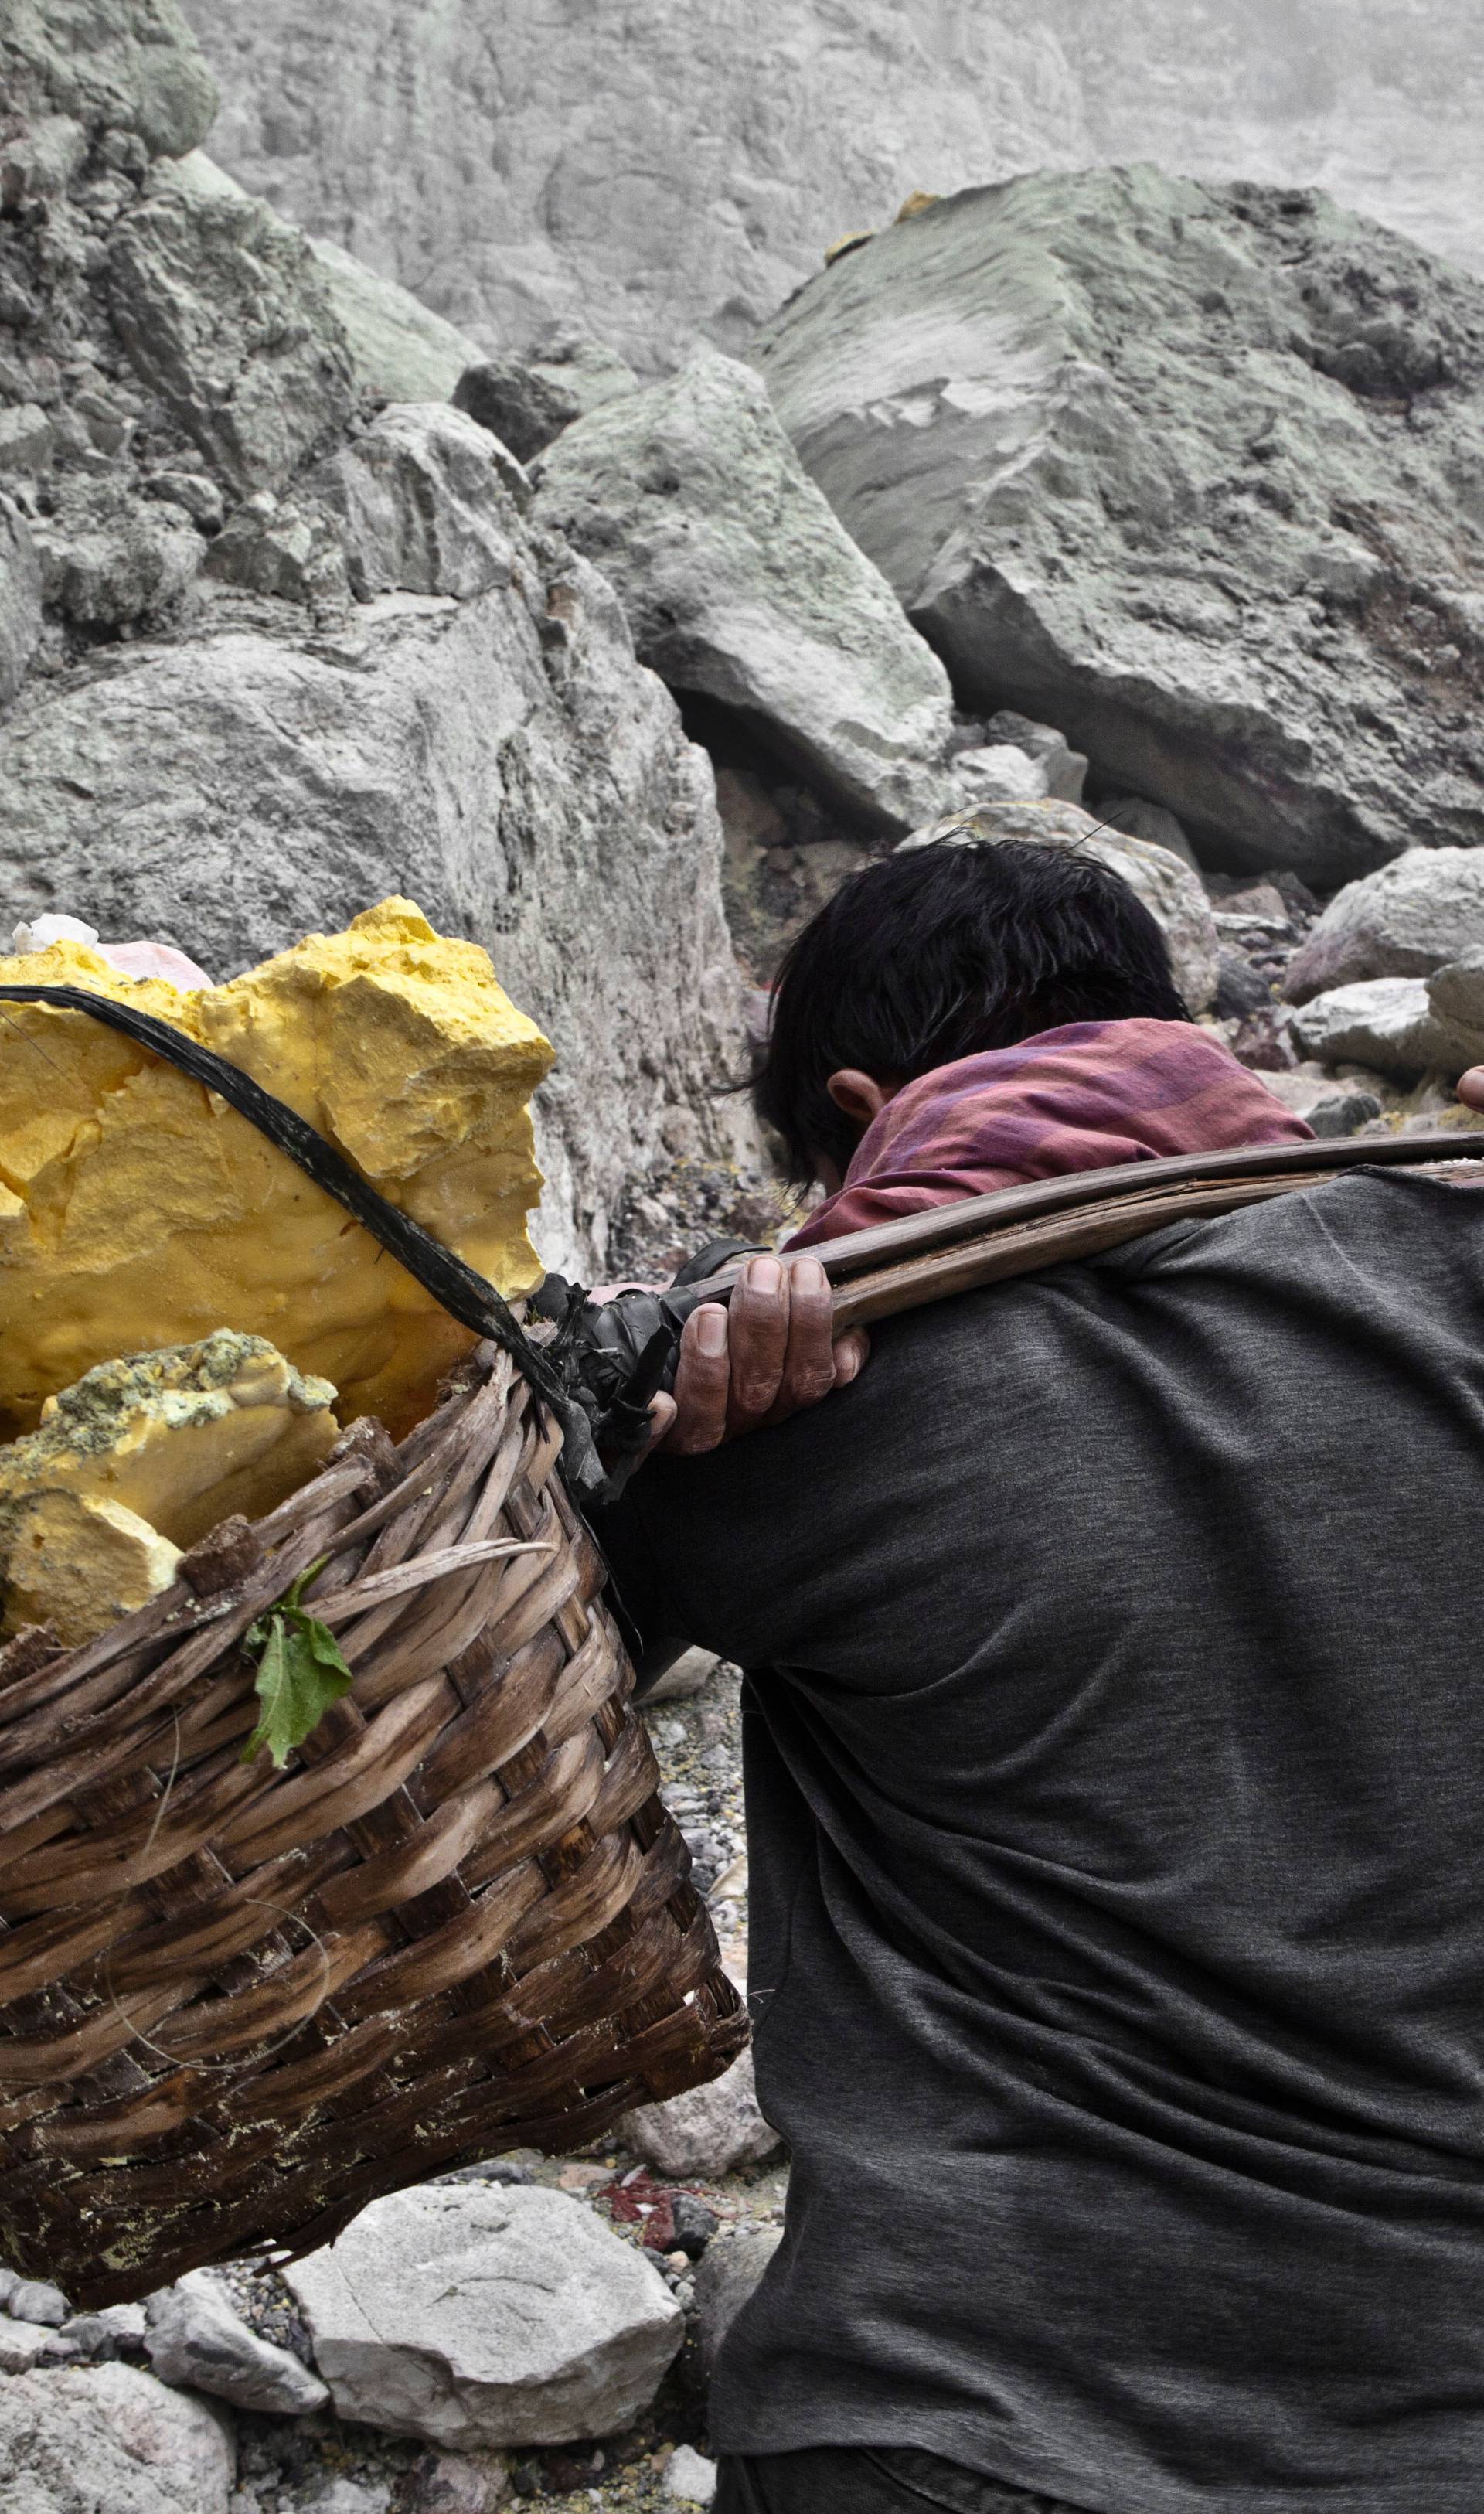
[[138, 1210], [139, 1459]]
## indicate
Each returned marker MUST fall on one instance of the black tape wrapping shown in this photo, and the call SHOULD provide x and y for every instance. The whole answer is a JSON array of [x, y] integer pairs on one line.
[[606, 1360]]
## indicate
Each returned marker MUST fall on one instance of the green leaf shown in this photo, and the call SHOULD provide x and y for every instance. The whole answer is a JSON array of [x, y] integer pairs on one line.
[[300, 1671]]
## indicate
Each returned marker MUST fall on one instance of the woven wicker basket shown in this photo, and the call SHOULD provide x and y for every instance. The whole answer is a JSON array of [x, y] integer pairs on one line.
[[237, 2003]]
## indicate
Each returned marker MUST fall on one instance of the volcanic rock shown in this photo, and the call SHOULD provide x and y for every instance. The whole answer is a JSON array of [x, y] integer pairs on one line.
[[110, 2440], [738, 584], [1174, 466]]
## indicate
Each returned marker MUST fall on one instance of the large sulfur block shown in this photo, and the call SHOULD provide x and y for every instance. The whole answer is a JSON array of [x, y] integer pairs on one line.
[[139, 1460], [136, 1210]]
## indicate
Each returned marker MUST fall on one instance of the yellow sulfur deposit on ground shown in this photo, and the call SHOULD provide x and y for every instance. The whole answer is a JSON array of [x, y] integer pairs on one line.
[[139, 1459], [138, 1210]]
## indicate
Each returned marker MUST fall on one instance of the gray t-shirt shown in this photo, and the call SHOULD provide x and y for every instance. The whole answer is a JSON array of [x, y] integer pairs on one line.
[[1115, 1775]]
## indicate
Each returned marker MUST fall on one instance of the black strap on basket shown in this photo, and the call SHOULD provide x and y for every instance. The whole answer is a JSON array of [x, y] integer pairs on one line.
[[462, 1291]]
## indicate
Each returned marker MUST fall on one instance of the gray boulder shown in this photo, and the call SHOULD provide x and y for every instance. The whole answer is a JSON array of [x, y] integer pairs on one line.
[[707, 2132], [1150, 822], [400, 350], [1174, 466], [1390, 1024], [110, 2440], [426, 503], [725, 2277], [472, 2314], [120, 64], [739, 585], [20, 600], [196, 2339], [1168, 886], [226, 314], [527, 404], [1404, 921]]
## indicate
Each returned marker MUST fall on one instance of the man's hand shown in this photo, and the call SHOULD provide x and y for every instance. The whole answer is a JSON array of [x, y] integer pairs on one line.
[[765, 1357], [1471, 1087]]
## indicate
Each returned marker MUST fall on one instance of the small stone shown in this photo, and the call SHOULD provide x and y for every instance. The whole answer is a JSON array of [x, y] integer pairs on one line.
[[689, 2478], [37, 2300], [708, 2131], [193, 493], [195, 2338], [457, 2482], [695, 2224], [1152, 821], [23, 2345], [350, 2497]]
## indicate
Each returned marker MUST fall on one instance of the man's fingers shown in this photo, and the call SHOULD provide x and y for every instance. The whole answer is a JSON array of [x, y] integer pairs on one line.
[[759, 1340], [809, 1363], [702, 1384], [1471, 1087], [852, 1354]]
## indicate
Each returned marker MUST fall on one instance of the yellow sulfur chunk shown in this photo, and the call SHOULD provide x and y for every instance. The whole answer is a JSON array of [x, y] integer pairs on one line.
[[78, 1564], [137, 1462], [138, 1210]]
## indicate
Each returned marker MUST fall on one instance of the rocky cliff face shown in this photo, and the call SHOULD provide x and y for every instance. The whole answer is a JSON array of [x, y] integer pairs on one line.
[[271, 651], [660, 173]]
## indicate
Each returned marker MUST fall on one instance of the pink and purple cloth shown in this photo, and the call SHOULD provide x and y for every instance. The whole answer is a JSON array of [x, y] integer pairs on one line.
[[1079, 1098]]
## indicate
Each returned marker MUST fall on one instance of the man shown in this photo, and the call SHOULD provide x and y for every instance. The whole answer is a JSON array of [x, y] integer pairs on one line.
[[1114, 1753]]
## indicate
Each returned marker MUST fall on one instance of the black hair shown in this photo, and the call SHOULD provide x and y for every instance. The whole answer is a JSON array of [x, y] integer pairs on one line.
[[941, 952]]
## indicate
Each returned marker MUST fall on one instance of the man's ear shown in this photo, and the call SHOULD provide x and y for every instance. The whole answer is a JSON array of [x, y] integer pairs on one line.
[[858, 1096]]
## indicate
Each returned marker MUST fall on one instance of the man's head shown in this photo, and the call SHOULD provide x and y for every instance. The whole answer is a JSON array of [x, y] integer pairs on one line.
[[940, 954]]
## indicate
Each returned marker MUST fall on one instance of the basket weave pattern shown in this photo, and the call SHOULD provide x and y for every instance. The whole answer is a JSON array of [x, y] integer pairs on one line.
[[237, 2003]]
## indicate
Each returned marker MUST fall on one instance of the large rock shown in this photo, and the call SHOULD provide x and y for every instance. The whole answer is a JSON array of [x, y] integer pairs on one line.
[[475, 2315], [658, 175], [226, 314], [400, 350], [1176, 467], [739, 585], [122, 64], [707, 2132], [502, 755], [1393, 1024], [425, 502], [1403, 921], [20, 600], [196, 2339], [1169, 888], [109, 2440]]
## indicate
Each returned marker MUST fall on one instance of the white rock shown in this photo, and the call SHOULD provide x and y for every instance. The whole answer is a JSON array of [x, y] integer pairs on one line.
[[474, 2314], [503, 758], [1104, 431], [350, 2497], [110, 2440], [22, 2344], [1002, 773], [1065, 769], [739, 584], [729, 2270], [689, 2478], [1168, 888], [1404, 921], [1455, 996], [37, 2300], [1387, 1023], [195, 2337], [709, 2132]]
